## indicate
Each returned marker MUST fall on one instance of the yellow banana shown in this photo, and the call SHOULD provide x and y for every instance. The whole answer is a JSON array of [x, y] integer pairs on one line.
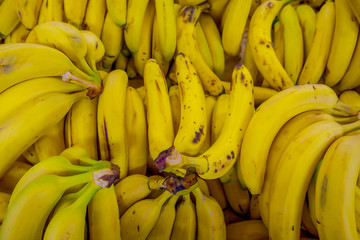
[[350, 97], [4, 201], [174, 96], [315, 63], [278, 43], [121, 62], [131, 69], [28, 12], [249, 229], [248, 60], [51, 10], [220, 110], [136, 132], [111, 121], [316, 3], [343, 44], [30, 155], [217, 191], [293, 42], [307, 18], [355, 6], [203, 186], [12, 177], [217, 9], [234, 25], [75, 12], [261, 94], [156, 48], [261, 45], [264, 126], [307, 222], [95, 48], [118, 11], [10, 19], [158, 111], [95, 16], [190, 136], [203, 46], [190, 2], [210, 102], [18, 35]]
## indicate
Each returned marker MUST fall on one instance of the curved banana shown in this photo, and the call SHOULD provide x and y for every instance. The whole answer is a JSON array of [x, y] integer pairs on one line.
[[337, 180], [18, 35], [210, 102], [315, 63], [220, 110], [217, 9], [10, 19], [278, 45], [95, 16], [270, 116], [4, 201], [316, 3], [138, 221], [261, 45], [185, 220], [261, 94], [293, 42], [164, 225], [254, 210], [158, 109], [203, 46], [307, 222], [121, 62], [190, 2], [12, 176], [216, 190], [134, 20], [343, 44], [355, 6], [28, 12], [174, 96], [248, 229], [186, 43], [103, 215], [248, 60], [190, 136], [136, 132], [30, 155], [307, 18], [131, 69], [118, 11], [75, 12], [95, 49], [51, 10], [220, 157], [156, 48], [144, 48], [210, 217], [234, 25], [41, 61], [111, 121], [350, 97], [213, 39]]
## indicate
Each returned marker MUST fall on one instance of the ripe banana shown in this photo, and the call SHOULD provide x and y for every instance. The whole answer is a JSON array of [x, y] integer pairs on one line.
[[210, 218], [75, 12], [41, 61], [350, 97], [158, 109], [95, 16], [335, 189], [217, 9], [278, 45], [265, 124], [18, 35], [261, 45], [254, 210], [203, 46], [51, 10], [186, 43], [315, 63], [174, 96], [248, 61], [118, 11], [210, 102], [156, 48], [261, 94], [307, 18], [248, 229], [30, 155], [28, 12], [12, 177], [235, 18], [10, 19], [220, 157], [220, 110], [4, 201], [216, 190], [136, 132], [355, 6], [111, 121], [191, 134], [293, 42], [95, 49]]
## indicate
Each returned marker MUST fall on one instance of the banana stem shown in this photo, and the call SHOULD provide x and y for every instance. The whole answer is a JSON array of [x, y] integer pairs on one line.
[[351, 127], [350, 110], [106, 177], [93, 88]]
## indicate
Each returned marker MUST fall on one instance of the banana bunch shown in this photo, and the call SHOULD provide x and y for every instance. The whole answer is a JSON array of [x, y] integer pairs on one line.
[[53, 191]]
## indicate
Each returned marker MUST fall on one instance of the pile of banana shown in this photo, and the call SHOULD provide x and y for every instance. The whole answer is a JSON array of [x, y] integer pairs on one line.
[[179, 119]]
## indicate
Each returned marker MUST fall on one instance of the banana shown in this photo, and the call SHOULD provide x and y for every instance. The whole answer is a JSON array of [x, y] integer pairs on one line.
[[174, 96], [190, 2], [307, 222], [79, 156], [30, 155], [75, 12], [254, 210], [18, 35], [210, 218], [337, 180], [261, 45], [118, 11], [350, 97], [217, 9], [315, 63], [185, 220], [278, 44], [121, 62], [355, 6], [210, 102], [52, 143], [220, 110], [310, 194], [111, 121], [192, 130], [27, 126], [213, 39], [51, 10], [138, 221], [261, 94], [136, 132], [131, 69], [37, 200], [60, 227], [144, 48], [134, 188], [28, 12], [156, 48], [112, 37], [248, 229], [158, 111], [95, 49], [203, 186], [4, 201], [203, 46], [307, 18], [95, 16], [81, 126], [248, 59], [103, 215], [343, 44], [186, 43], [166, 20], [316, 3], [238, 198], [235, 18], [220, 157], [293, 42], [38, 87], [10, 19], [13, 175], [41, 61], [264, 126], [309, 146], [164, 225], [216, 190], [135, 15]]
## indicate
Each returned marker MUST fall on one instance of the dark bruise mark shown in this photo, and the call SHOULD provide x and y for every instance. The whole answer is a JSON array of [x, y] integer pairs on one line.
[[20, 15], [245, 84], [228, 157], [267, 45], [177, 73], [270, 4], [323, 191], [188, 14], [198, 134], [283, 82], [160, 161], [96, 45], [134, 212], [232, 154], [242, 77], [314, 87], [215, 170], [292, 228], [47, 3], [157, 86], [138, 228], [222, 166], [241, 209]]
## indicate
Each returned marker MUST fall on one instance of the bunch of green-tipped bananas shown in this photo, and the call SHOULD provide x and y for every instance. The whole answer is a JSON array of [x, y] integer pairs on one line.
[[252, 102]]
